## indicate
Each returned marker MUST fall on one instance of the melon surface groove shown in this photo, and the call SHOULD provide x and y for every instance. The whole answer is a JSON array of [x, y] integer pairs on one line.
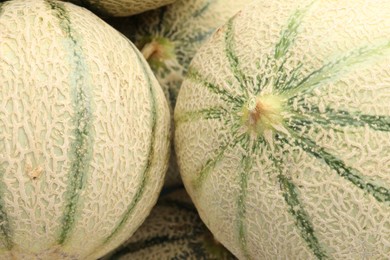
[[169, 37], [84, 133], [282, 130], [173, 230]]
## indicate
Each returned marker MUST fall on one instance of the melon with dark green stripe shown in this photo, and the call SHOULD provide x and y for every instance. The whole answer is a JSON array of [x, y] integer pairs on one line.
[[169, 37], [84, 133], [173, 230], [283, 128]]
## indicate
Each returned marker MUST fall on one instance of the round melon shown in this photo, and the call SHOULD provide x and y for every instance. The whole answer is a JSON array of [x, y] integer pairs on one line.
[[169, 37], [173, 230], [120, 8], [282, 130], [84, 133]]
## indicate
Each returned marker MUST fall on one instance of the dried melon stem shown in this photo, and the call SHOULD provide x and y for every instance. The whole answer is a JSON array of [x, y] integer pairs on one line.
[[263, 113], [157, 50]]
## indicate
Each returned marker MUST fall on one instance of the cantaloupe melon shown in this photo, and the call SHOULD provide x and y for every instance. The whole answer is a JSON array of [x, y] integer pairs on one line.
[[120, 7], [173, 230], [84, 133], [169, 38], [282, 130]]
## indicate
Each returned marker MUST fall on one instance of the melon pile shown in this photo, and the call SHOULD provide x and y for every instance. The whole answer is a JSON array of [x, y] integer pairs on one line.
[[194, 129]]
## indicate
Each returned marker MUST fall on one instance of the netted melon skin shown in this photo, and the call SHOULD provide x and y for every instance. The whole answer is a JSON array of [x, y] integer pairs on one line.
[[84, 133], [185, 26], [173, 230], [178, 29], [282, 130], [121, 8]]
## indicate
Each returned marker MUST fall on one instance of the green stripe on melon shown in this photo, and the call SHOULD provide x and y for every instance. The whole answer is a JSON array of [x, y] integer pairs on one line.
[[153, 156], [302, 219], [84, 133], [82, 143], [286, 133]]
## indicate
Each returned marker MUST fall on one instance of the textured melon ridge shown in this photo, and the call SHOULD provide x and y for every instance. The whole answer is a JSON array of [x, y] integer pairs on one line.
[[246, 165], [5, 229], [152, 154], [289, 89], [342, 118], [151, 158], [297, 210], [81, 146]]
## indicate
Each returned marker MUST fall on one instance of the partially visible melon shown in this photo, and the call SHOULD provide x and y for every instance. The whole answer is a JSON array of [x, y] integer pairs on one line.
[[169, 37], [173, 230], [282, 130], [84, 133], [121, 7]]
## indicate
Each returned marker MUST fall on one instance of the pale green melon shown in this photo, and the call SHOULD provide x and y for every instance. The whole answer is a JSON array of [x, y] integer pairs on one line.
[[173, 230], [282, 130], [120, 8], [84, 133], [169, 38]]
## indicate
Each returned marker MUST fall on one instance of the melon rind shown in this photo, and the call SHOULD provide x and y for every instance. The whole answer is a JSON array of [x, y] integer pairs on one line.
[[313, 182], [84, 133]]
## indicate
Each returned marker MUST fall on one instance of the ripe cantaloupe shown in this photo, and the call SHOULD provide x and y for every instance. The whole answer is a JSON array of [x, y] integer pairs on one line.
[[282, 130], [84, 133]]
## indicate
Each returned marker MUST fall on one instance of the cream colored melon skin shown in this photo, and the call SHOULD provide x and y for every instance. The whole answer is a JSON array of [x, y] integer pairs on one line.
[[84, 133], [239, 171], [120, 8]]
